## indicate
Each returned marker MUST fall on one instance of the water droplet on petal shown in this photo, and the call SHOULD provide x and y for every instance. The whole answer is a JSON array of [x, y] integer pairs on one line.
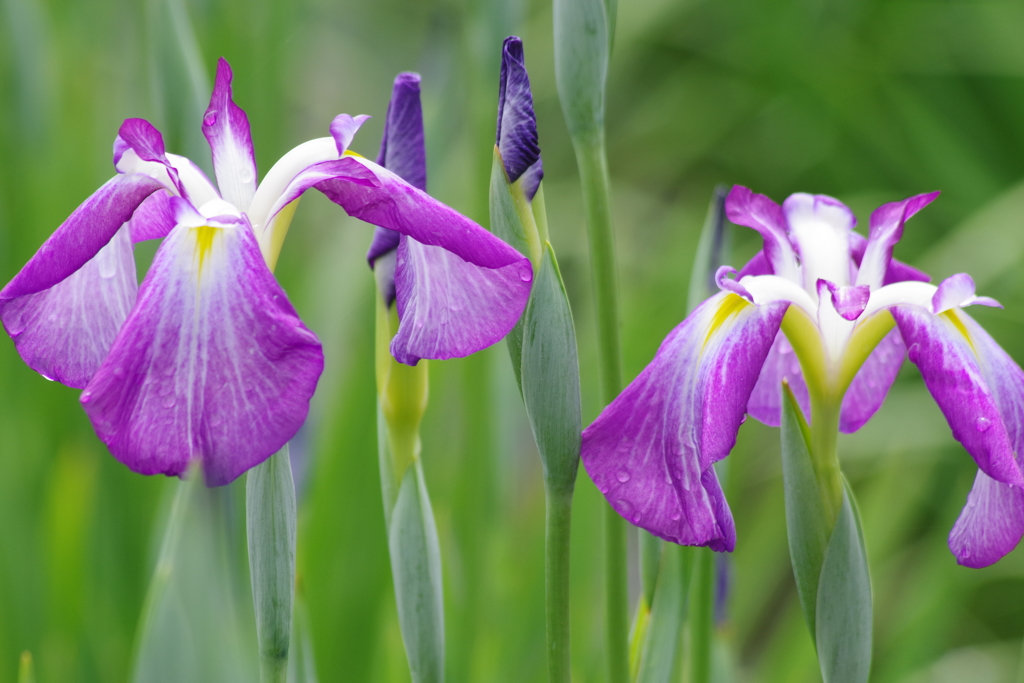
[[676, 516], [913, 352], [86, 395], [118, 372], [636, 518], [245, 174], [603, 488], [210, 118], [169, 401], [982, 424], [622, 475], [743, 419], [624, 508], [526, 273]]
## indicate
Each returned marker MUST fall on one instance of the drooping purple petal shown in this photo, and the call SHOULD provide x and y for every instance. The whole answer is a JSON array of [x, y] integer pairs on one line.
[[979, 388], [226, 128], [82, 235], [886, 230], [153, 219], [517, 123], [991, 524], [213, 363], [64, 332], [343, 130], [402, 151], [449, 308], [757, 211], [872, 382], [781, 364], [651, 449], [957, 291], [375, 195]]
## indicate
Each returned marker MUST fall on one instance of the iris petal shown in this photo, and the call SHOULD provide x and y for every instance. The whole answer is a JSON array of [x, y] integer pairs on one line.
[[872, 382], [979, 388], [757, 211], [517, 123], [448, 307], [650, 452], [226, 128], [765, 403], [213, 363], [885, 231], [991, 524]]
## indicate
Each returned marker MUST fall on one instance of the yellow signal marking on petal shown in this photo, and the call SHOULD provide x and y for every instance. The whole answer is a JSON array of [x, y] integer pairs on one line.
[[350, 153], [953, 318], [730, 306], [204, 242]]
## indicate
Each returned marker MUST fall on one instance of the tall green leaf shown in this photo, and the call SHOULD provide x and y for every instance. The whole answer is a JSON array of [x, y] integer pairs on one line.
[[270, 527], [416, 568], [661, 657]]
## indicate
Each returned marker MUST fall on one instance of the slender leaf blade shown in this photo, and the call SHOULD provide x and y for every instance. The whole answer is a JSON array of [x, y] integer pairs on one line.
[[843, 624], [661, 656], [551, 375], [416, 568], [805, 514]]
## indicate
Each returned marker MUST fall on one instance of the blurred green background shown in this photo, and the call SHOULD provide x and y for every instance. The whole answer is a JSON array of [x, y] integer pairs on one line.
[[866, 100]]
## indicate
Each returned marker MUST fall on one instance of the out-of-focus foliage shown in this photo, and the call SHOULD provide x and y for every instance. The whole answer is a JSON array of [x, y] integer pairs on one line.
[[867, 100]]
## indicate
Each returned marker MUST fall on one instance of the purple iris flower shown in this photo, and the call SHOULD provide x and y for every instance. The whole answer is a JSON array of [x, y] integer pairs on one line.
[[851, 313], [207, 360]]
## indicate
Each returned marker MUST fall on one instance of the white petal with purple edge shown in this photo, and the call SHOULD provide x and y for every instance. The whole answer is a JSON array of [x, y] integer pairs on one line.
[[820, 226], [449, 308], [65, 332], [978, 387], [990, 525], [226, 128], [213, 363], [650, 452], [957, 291]]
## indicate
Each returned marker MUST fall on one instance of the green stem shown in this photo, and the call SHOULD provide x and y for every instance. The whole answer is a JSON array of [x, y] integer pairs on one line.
[[702, 616], [824, 458], [559, 523], [593, 167]]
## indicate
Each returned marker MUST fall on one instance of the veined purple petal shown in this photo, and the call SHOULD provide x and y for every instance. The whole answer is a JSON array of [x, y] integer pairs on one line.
[[379, 197], [886, 230], [765, 402], [757, 211], [849, 302], [64, 332], [979, 388], [344, 128], [651, 449], [153, 219], [517, 123], [402, 151], [991, 524], [82, 235], [872, 382], [226, 128], [448, 307], [213, 363], [957, 291]]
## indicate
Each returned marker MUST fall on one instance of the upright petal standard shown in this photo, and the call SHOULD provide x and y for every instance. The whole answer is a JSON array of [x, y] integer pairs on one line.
[[207, 360], [833, 315]]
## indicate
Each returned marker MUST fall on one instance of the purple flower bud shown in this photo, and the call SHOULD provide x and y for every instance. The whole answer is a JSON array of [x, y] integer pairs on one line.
[[517, 123]]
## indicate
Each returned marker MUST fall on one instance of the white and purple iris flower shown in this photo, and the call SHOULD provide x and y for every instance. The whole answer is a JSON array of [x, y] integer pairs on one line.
[[207, 360], [834, 315]]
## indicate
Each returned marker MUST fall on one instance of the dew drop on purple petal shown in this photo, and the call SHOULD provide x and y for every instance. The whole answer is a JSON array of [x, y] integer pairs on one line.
[[743, 419], [526, 273], [982, 424], [675, 516], [169, 401], [118, 372], [210, 118], [624, 508], [622, 475], [913, 352]]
